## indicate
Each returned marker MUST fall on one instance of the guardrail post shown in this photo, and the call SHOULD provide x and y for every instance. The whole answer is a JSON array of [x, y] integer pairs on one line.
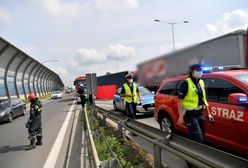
[[95, 111], [120, 132], [157, 156], [104, 119]]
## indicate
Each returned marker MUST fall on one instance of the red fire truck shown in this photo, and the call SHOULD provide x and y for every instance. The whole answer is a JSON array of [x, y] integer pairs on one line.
[[77, 82]]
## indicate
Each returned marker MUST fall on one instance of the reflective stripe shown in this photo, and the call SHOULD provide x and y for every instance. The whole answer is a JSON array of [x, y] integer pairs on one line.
[[37, 108]]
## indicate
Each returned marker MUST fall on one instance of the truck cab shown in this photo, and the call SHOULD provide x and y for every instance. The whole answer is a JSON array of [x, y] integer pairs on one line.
[[227, 97]]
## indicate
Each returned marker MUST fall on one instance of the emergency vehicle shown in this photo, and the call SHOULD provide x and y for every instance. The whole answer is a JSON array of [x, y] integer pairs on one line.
[[77, 82], [226, 50], [227, 97]]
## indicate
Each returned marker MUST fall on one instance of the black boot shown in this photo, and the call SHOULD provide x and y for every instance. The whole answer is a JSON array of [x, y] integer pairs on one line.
[[39, 140], [32, 144]]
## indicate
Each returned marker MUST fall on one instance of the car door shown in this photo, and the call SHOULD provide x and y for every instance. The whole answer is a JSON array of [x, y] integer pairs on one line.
[[14, 108], [167, 99], [20, 105], [119, 100], [229, 127]]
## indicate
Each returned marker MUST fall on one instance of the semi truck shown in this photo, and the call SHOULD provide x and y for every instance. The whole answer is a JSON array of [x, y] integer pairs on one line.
[[107, 84], [229, 51]]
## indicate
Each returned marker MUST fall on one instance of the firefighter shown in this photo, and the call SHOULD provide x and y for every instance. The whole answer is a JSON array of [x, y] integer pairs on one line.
[[82, 92], [130, 92], [191, 103], [34, 122]]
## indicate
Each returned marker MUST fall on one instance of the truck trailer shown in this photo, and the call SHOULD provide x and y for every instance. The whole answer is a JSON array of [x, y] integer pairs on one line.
[[229, 51], [107, 84]]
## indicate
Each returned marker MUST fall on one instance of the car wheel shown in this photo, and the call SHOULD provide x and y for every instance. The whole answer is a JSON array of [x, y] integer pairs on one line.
[[115, 107], [23, 111], [166, 124], [10, 117]]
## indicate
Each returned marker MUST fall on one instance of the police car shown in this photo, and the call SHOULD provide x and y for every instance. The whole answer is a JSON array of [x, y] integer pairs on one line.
[[147, 106], [227, 97]]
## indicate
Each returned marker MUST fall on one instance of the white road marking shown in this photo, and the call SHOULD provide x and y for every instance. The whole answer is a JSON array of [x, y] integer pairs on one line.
[[54, 153]]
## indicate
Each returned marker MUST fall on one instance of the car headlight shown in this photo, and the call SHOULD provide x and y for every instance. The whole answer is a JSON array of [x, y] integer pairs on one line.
[[2, 114]]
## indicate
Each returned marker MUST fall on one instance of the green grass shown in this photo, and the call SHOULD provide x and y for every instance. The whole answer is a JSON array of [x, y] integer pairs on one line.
[[128, 154]]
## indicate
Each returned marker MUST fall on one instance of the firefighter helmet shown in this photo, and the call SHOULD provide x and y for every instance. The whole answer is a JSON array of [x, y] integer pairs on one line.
[[31, 97]]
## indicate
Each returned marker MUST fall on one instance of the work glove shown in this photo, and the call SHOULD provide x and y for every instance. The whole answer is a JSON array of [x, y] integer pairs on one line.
[[27, 125]]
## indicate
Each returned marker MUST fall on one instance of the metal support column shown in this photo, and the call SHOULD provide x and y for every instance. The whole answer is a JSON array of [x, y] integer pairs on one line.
[[6, 73], [39, 83], [16, 72], [45, 81], [23, 75], [30, 76], [52, 83], [48, 82], [3, 49], [35, 73]]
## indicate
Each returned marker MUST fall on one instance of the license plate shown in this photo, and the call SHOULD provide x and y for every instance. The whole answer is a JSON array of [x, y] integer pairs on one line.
[[150, 108]]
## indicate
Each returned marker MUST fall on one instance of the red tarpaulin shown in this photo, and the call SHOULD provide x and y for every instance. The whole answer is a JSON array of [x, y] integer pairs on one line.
[[105, 92]]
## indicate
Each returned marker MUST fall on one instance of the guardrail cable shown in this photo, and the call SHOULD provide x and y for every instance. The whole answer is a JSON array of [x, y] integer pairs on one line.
[[110, 148]]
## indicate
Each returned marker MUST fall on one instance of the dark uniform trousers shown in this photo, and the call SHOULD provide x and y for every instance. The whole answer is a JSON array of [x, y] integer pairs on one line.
[[35, 128], [131, 109], [194, 120]]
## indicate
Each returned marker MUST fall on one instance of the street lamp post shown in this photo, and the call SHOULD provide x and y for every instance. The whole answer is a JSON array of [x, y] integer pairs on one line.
[[172, 28], [49, 61]]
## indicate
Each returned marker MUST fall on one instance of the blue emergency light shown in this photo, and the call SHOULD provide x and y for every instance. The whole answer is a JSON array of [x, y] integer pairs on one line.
[[207, 69], [221, 68], [242, 99]]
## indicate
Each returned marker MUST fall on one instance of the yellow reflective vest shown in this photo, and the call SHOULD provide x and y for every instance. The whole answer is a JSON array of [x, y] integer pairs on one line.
[[190, 101], [128, 92]]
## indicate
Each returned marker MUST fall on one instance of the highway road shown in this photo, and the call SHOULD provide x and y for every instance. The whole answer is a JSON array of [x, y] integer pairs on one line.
[[57, 120], [145, 119]]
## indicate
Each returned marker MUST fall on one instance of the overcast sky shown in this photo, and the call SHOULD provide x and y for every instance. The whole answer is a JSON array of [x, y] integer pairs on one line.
[[99, 36]]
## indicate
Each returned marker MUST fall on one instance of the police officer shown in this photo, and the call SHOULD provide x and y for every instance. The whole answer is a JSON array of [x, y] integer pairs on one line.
[[130, 92], [191, 102], [34, 122], [81, 92]]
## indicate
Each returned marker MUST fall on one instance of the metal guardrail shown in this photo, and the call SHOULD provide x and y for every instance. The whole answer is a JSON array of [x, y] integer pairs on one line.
[[192, 152], [96, 161]]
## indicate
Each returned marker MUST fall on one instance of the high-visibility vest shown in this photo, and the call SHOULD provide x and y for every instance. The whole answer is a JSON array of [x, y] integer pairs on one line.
[[128, 92], [190, 101]]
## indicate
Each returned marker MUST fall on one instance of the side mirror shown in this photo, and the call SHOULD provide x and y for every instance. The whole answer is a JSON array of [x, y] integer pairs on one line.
[[237, 98]]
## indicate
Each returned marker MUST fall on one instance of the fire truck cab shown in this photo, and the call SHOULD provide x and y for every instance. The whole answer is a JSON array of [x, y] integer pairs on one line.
[[77, 82], [227, 97]]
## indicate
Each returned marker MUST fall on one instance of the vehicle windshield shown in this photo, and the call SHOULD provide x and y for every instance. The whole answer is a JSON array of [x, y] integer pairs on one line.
[[4, 105], [58, 92], [144, 91], [243, 78]]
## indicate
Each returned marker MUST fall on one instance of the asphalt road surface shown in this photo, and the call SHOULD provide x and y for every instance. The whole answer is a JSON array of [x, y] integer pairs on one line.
[[145, 119], [57, 117]]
